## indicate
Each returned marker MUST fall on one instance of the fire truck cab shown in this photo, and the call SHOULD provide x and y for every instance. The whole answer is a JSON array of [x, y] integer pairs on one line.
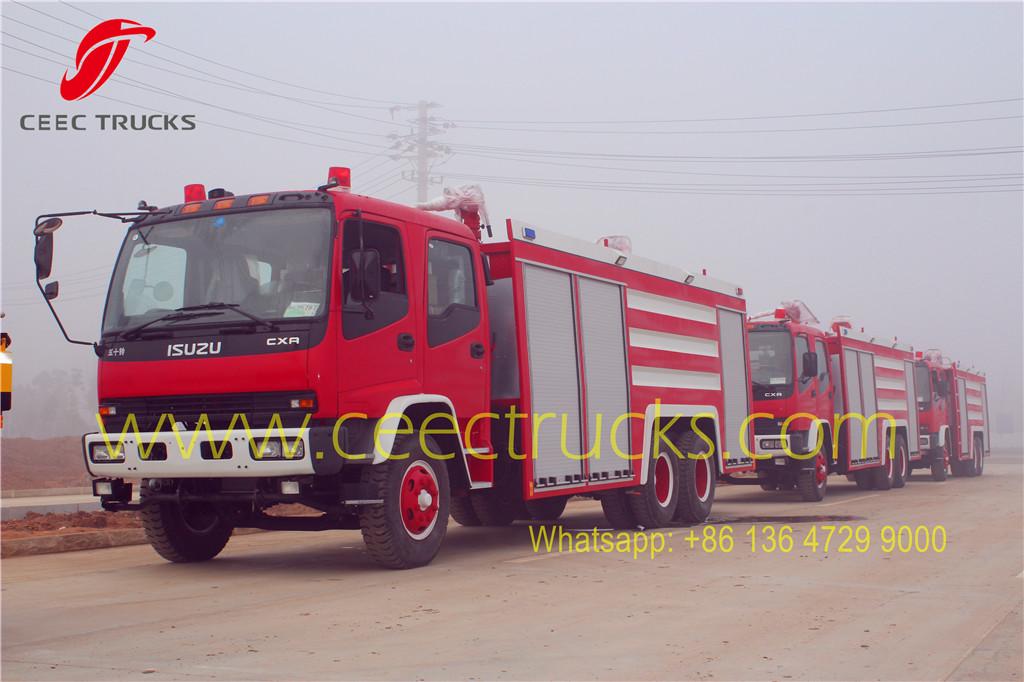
[[793, 387]]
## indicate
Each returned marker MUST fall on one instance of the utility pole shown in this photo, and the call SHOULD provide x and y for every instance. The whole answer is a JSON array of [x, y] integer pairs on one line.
[[419, 149], [422, 150]]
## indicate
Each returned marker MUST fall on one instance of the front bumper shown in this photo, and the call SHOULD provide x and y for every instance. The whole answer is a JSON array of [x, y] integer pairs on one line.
[[184, 454]]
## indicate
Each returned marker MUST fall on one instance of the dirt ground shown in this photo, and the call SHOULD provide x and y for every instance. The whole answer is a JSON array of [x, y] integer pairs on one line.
[[29, 464], [63, 524], [83, 522]]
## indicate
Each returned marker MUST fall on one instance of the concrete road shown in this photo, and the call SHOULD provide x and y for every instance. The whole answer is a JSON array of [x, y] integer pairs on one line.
[[313, 606]]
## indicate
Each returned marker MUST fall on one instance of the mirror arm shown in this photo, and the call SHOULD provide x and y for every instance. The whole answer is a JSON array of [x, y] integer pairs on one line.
[[95, 346]]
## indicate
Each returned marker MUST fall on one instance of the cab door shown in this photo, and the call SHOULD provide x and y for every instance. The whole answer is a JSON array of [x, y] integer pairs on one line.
[[454, 329]]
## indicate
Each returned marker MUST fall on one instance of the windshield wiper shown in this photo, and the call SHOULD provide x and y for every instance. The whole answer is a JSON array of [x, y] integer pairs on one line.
[[175, 316], [233, 307]]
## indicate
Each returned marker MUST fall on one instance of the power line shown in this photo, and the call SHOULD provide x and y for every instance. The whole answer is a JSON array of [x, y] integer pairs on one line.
[[513, 152], [795, 192], [752, 131], [761, 117], [228, 66], [662, 171]]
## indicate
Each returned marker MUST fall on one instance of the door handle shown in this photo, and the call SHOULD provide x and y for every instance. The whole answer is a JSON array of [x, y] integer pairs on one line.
[[477, 350], [406, 342]]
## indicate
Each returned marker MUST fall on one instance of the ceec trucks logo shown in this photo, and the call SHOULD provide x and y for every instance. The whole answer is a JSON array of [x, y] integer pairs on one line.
[[99, 54]]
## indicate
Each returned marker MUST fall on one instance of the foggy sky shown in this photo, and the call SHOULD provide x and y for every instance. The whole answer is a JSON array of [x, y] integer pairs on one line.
[[937, 269]]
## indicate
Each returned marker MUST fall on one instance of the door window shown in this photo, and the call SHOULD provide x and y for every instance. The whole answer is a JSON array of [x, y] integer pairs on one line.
[[802, 346], [361, 317], [452, 308], [819, 348]]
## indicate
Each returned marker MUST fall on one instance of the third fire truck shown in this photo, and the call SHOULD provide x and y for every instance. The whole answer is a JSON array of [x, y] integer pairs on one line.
[[952, 417]]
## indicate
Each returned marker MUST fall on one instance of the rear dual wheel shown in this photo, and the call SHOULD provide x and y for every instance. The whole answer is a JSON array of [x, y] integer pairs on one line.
[[979, 456], [902, 464]]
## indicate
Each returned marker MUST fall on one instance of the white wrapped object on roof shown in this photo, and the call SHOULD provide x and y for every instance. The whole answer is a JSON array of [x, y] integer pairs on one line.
[[467, 198], [619, 242]]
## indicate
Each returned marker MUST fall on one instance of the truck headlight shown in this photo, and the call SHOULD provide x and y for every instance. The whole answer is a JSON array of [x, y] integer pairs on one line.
[[276, 450], [103, 453]]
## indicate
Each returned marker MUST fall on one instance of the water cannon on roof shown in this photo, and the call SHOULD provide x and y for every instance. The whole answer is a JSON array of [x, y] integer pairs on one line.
[[789, 311], [619, 243], [468, 203], [840, 322]]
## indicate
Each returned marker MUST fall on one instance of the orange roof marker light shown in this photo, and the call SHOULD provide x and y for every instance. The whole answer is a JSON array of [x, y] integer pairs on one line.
[[223, 203], [258, 200]]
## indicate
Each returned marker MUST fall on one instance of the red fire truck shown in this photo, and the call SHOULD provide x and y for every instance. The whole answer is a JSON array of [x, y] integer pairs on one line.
[[382, 365], [953, 417], [829, 402]]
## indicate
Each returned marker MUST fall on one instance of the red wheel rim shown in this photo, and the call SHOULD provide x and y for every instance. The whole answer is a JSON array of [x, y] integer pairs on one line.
[[664, 479], [419, 500], [702, 478], [820, 470]]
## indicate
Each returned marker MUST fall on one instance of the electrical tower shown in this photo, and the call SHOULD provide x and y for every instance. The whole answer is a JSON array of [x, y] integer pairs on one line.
[[419, 149]]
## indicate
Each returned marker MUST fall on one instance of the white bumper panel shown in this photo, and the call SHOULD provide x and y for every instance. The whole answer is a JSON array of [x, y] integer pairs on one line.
[[184, 458]]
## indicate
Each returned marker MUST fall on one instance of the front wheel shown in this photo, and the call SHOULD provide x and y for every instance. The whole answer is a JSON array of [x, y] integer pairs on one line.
[[184, 532], [938, 465], [812, 483], [406, 531]]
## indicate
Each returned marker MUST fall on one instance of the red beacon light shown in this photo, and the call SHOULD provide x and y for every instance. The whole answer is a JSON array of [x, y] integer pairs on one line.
[[194, 192], [339, 179], [780, 313]]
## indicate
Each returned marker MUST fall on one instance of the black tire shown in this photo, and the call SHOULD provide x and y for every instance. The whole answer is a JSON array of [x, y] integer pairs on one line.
[[812, 483], [654, 503], [696, 480], [396, 533], [979, 456], [768, 485], [884, 475], [938, 465], [494, 507], [901, 470], [547, 508], [865, 480], [960, 469], [463, 512], [618, 510], [184, 534]]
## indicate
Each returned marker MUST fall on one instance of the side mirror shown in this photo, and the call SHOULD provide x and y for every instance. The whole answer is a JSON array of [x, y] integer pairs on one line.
[[810, 366], [44, 255], [52, 290], [366, 280]]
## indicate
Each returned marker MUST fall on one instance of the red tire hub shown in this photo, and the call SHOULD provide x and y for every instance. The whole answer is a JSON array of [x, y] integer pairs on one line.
[[419, 500], [820, 470], [664, 481]]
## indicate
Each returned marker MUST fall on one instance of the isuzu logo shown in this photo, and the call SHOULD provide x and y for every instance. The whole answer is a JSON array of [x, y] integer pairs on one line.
[[178, 350], [282, 340]]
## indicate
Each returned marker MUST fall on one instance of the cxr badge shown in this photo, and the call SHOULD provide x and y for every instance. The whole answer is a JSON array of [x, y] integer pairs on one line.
[[99, 54]]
